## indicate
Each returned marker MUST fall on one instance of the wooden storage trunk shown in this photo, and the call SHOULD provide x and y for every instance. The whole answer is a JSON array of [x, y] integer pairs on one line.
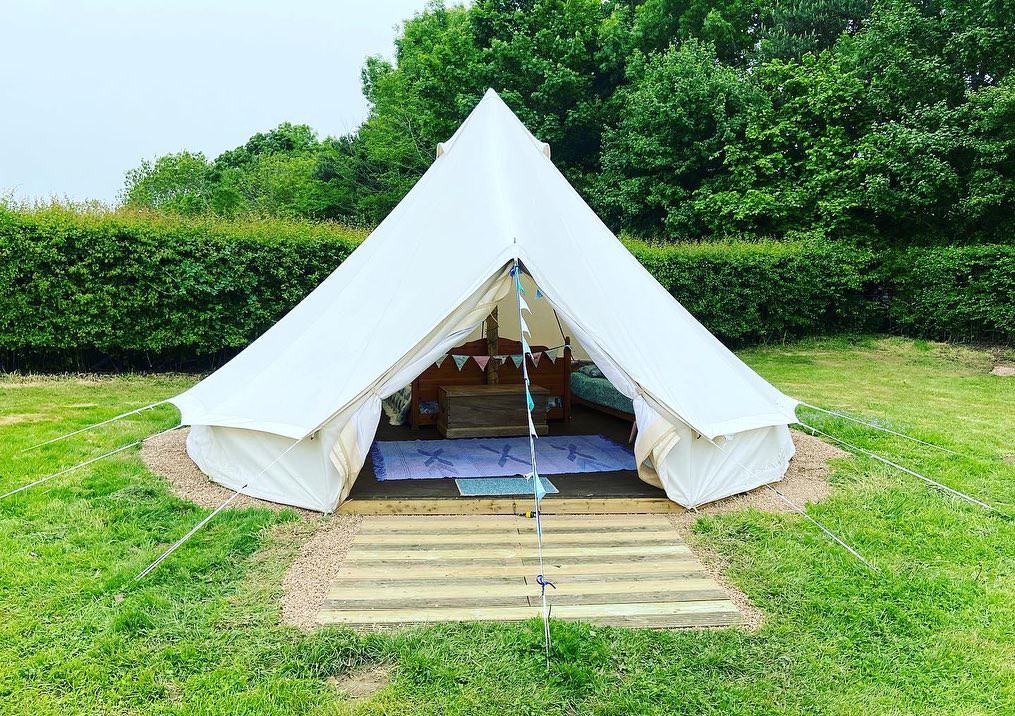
[[477, 411]]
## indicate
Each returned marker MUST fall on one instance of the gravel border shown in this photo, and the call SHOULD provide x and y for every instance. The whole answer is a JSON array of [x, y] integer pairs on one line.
[[326, 538]]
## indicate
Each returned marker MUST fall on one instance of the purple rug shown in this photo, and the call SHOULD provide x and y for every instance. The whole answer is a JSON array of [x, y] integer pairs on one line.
[[497, 457]]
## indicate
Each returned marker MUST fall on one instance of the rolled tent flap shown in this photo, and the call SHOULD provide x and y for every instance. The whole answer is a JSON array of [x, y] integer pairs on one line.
[[694, 470]]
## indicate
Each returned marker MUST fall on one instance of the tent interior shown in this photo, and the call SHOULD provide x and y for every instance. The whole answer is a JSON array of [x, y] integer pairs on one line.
[[577, 411]]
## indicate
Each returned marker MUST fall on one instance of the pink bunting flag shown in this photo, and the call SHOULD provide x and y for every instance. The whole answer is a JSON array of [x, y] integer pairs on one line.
[[481, 361], [535, 358]]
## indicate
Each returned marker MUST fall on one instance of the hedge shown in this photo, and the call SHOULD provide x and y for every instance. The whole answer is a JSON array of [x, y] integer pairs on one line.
[[94, 290], [753, 292], [964, 293], [80, 287]]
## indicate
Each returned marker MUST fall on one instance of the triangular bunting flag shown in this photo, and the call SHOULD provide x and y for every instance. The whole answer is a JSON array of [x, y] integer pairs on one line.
[[441, 360], [517, 360], [525, 306], [460, 360], [528, 399], [481, 361], [538, 488], [552, 355], [525, 327], [535, 358], [532, 426], [501, 359], [539, 294], [525, 346]]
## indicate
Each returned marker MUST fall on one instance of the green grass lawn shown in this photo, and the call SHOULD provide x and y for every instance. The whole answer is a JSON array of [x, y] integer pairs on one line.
[[932, 633]]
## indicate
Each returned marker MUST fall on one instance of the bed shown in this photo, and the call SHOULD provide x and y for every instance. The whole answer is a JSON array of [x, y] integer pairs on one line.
[[589, 387], [555, 376]]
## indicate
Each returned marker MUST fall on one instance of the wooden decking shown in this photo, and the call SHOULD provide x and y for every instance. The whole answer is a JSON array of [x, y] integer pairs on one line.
[[620, 570]]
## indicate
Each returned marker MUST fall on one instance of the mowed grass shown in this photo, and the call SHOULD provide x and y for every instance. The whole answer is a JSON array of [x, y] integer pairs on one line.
[[933, 632]]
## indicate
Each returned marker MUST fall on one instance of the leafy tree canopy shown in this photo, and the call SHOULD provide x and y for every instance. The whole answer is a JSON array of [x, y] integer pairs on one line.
[[863, 120]]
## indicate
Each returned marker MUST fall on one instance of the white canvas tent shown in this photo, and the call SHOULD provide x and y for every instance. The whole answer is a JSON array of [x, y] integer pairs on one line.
[[291, 418]]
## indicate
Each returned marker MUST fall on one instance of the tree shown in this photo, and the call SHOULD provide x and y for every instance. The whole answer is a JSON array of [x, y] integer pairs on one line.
[[178, 183], [680, 113]]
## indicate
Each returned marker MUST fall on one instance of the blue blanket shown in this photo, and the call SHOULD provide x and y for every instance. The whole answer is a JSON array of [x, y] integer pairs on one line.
[[497, 457]]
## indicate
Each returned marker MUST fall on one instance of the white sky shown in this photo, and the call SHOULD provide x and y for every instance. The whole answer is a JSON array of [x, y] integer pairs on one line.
[[89, 88]]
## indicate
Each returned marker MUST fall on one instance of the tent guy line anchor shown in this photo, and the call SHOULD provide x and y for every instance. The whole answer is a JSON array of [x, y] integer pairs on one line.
[[877, 427], [799, 510], [165, 555], [207, 518], [897, 466], [87, 462], [99, 424], [796, 508]]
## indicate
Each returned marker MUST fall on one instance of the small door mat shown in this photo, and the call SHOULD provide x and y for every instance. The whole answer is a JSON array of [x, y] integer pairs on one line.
[[500, 486]]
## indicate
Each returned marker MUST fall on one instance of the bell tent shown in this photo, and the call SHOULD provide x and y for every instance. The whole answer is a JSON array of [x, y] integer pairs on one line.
[[292, 417]]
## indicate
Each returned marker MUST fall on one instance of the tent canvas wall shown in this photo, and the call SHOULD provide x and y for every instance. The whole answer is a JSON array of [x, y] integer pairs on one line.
[[291, 418]]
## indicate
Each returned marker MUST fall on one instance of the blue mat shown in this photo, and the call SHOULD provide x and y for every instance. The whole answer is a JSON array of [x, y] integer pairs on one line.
[[469, 487], [497, 457]]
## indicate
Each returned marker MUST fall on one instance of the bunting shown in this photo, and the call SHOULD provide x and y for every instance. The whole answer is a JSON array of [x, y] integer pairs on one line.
[[441, 360], [481, 361], [551, 354], [538, 490], [460, 360]]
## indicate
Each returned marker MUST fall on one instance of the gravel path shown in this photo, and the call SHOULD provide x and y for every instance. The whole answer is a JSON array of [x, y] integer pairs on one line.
[[326, 538]]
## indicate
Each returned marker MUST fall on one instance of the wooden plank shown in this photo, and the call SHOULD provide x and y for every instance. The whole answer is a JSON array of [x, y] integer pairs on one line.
[[628, 612], [507, 506], [441, 571], [491, 524], [353, 579], [529, 538], [494, 553], [519, 588]]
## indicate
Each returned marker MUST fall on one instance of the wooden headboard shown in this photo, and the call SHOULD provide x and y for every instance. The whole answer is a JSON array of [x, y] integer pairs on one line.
[[555, 376]]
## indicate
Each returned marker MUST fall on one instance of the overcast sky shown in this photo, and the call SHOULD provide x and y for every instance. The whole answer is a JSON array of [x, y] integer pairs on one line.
[[89, 88]]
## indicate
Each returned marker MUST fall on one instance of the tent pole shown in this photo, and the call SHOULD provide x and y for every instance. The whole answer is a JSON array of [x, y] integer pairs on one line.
[[492, 346]]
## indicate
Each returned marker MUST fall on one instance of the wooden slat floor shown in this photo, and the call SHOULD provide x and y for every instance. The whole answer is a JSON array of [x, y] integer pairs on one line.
[[617, 570]]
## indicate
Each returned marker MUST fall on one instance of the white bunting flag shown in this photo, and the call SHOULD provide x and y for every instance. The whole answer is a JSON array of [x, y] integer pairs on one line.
[[525, 306], [552, 355], [532, 426], [525, 327], [441, 360]]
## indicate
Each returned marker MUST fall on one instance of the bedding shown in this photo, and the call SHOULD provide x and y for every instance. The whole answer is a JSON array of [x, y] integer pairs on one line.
[[599, 391]]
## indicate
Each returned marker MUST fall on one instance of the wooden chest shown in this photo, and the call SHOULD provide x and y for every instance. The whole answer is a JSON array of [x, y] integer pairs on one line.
[[477, 411]]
